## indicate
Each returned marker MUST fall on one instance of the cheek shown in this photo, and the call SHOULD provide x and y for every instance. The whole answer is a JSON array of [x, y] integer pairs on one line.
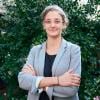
[[60, 28], [45, 26]]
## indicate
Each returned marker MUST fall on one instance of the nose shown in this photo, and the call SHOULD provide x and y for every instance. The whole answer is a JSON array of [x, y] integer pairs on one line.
[[52, 24]]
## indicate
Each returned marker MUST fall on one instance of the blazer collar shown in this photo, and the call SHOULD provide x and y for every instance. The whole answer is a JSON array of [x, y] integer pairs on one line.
[[59, 55], [57, 59], [41, 59], [63, 44]]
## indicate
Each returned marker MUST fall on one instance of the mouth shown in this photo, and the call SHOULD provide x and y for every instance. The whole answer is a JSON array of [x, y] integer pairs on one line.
[[53, 30]]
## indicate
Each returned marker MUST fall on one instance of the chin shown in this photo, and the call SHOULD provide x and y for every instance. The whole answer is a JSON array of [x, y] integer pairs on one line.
[[54, 35]]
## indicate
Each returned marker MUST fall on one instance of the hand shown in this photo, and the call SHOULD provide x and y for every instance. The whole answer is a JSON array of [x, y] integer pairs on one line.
[[45, 88], [69, 79], [29, 70]]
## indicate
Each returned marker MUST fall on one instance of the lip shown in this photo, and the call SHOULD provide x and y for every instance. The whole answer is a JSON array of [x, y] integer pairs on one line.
[[52, 30]]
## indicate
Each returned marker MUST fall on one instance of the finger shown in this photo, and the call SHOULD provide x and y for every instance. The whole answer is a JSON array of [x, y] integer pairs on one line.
[[76, 78], [76, 81], [30, 67], [75, 84], [28, 72], [26, 68], [76, 75], [70, 71]]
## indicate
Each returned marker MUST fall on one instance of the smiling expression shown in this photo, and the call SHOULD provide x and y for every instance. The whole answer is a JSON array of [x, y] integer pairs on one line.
[[53, 24]]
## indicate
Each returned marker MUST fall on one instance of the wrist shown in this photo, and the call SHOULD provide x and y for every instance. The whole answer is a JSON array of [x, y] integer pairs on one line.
[[57, 80]]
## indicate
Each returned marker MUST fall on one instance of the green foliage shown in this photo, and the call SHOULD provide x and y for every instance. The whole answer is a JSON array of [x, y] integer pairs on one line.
[[21, 27]]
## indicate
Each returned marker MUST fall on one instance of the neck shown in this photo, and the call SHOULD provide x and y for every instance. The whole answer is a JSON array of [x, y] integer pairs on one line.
[[53, 44], [53, 41]]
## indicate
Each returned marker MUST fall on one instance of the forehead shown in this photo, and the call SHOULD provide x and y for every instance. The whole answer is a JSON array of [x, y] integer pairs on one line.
[[53, 15]]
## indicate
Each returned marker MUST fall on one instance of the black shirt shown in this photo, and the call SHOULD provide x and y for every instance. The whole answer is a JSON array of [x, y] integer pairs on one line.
[[49, 59]]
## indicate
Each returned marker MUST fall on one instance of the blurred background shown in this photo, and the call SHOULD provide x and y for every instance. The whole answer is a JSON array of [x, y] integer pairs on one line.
[[21, 28]]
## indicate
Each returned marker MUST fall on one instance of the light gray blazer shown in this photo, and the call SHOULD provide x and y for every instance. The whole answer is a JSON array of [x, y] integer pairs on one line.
[[68, 56]]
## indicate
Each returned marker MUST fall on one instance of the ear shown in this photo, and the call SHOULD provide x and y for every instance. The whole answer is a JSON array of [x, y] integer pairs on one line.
[[64, 25], [43, 25]]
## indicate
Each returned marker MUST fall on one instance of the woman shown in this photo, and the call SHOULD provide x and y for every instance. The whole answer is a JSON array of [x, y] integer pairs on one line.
[[53, 68]]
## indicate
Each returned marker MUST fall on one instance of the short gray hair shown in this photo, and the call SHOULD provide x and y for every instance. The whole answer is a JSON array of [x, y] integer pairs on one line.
[[55, 8]]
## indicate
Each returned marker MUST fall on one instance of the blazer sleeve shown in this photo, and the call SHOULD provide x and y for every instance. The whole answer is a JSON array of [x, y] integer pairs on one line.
[[27, 81], [75, 63]]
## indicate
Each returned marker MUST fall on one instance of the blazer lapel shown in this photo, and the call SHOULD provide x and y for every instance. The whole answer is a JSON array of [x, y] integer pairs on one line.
[[41, 59], [59, 56]]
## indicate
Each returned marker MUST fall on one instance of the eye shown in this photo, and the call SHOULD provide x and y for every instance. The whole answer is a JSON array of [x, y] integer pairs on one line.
[[47, 21], [57, 21]]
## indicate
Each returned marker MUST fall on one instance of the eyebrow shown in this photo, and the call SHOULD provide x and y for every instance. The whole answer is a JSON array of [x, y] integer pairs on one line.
[[55, 19]]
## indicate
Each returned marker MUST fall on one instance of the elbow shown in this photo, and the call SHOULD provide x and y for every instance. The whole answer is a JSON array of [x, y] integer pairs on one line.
[[72, 91], [65, 91], [22, 82], [27, 82]]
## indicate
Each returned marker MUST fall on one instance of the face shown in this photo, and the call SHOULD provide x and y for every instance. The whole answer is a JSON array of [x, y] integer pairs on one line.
[[53, 24]]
